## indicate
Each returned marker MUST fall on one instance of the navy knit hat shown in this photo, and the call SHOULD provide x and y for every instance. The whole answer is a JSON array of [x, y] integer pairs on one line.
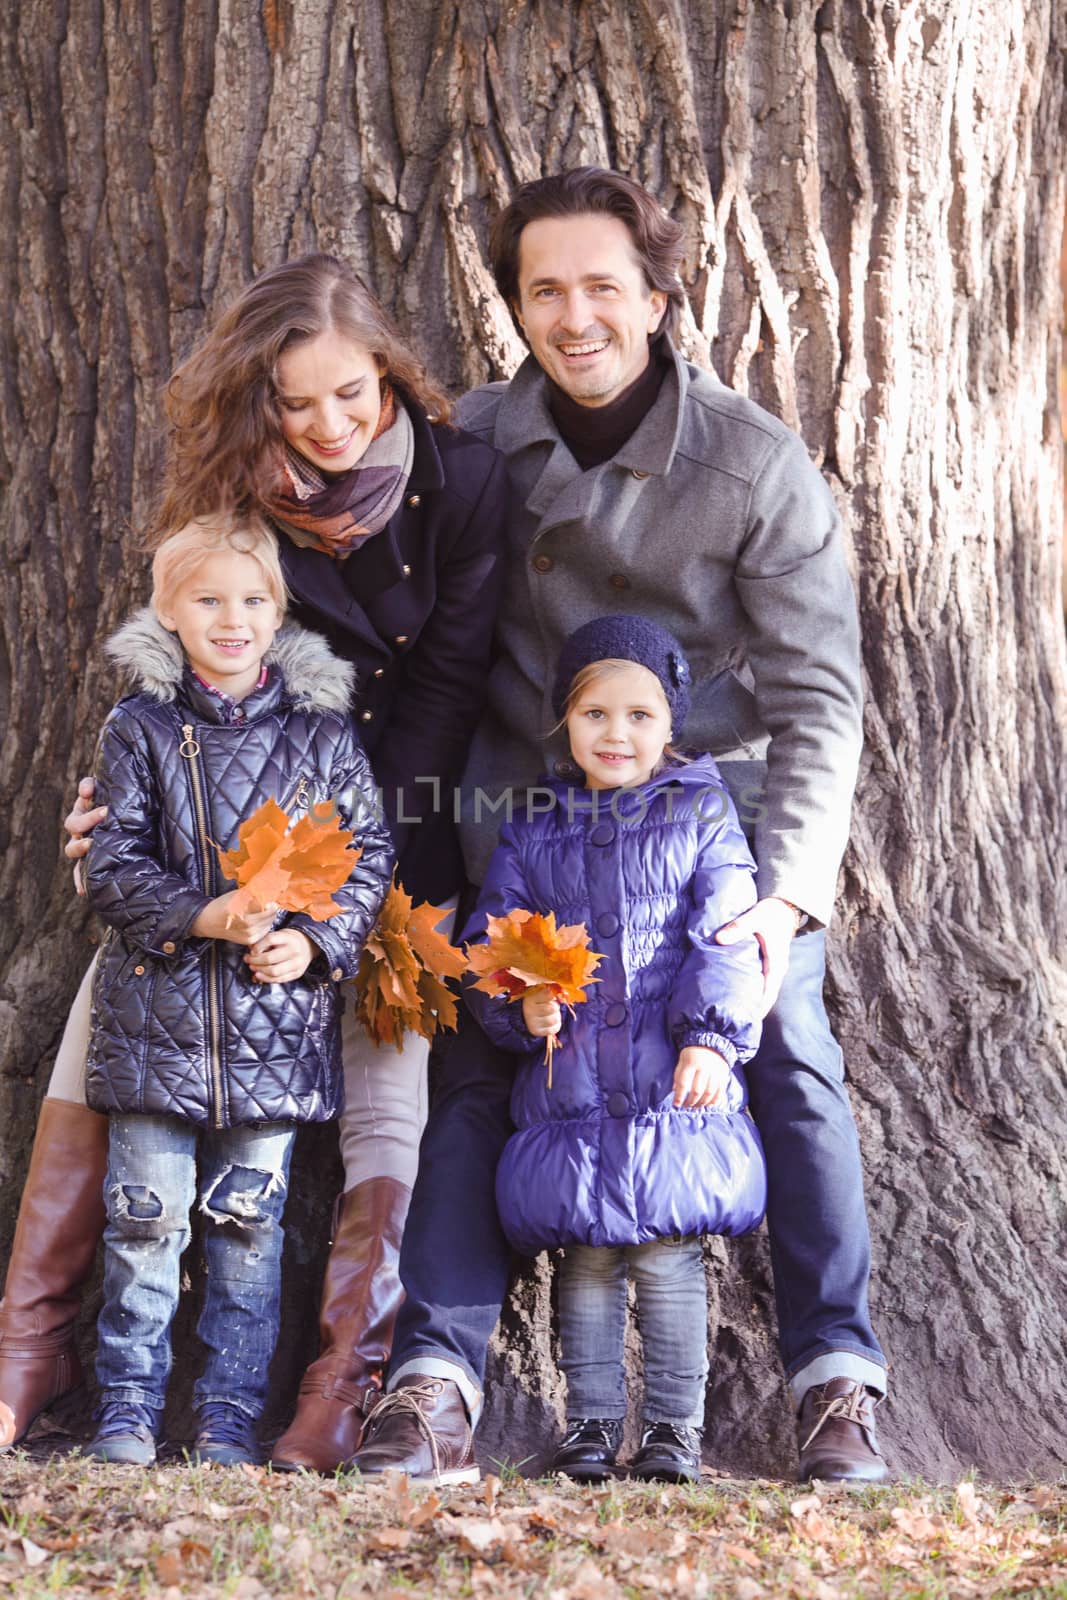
[[624, 638]]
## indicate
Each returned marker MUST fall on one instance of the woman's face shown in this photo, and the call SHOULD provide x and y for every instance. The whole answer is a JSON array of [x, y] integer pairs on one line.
[[329, 397]]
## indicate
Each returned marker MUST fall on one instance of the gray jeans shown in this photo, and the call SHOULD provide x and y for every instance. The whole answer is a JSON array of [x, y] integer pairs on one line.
[[672, 1313]]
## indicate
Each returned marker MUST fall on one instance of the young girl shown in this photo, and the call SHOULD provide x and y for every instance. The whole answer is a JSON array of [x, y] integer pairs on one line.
[[212, 1029], [642, 1143]]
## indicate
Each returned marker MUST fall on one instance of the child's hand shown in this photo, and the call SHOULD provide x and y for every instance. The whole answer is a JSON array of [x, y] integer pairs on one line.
[[700, 1078], [541, 1014], [282, 957], [246, 929]]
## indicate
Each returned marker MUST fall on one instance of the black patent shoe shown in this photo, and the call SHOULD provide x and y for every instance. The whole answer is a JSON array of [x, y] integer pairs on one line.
[[669, 1452], [588, 1449]]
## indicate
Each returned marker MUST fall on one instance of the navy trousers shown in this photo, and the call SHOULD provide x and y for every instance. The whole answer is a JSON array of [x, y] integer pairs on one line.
[[454, 1259]]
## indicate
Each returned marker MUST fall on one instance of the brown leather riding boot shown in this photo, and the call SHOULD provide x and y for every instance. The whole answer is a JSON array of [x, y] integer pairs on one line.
[[60, 1223], [361, 1295]]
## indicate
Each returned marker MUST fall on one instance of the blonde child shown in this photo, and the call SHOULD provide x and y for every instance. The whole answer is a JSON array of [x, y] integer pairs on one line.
[[642, 1144], [213, 1034]]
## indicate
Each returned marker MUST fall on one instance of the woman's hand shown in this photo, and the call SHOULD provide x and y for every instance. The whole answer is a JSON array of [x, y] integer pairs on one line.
[[700, 1078], [79, 823], [248, 928], [541, 1014], [282, 957]]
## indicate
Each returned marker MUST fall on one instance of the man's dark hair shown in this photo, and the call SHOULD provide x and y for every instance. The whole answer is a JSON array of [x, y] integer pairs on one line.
[[656, 237]]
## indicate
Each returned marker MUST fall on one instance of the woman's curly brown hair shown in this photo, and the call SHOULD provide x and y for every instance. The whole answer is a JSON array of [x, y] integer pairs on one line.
[[221, 403]]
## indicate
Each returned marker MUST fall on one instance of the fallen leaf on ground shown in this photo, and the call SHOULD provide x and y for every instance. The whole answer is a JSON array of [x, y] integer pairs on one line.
[[916, 1523], [34, 1553], [479, 1534], [391, 1538]]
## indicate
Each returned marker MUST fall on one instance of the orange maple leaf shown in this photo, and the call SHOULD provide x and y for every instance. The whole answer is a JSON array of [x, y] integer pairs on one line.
[[297, 869], [400, 980], [527, 954]]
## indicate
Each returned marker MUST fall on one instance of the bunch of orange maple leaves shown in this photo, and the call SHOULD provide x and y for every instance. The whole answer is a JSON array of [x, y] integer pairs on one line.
[[402, 980], [526, 954], [296, 869]]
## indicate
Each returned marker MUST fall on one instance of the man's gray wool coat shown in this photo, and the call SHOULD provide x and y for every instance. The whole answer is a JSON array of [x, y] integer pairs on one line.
[[712, 520]]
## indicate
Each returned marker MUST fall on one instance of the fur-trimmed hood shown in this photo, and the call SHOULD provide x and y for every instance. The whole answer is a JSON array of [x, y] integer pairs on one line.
[[315, 679]]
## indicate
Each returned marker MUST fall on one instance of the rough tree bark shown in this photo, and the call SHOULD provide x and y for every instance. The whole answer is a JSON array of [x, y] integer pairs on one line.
[[871, 192]]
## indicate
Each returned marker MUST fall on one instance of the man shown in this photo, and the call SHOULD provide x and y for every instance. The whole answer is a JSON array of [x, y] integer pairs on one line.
[[648, 486]]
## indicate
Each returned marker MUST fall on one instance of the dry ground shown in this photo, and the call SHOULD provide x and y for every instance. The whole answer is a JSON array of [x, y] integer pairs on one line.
[[71, 1528]]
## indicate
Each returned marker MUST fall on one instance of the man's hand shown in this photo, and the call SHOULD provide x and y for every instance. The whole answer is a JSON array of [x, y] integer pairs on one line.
[[80, 822], [700, 1078], [774, 922], [282, 957], [541, 1014], [247, 929]]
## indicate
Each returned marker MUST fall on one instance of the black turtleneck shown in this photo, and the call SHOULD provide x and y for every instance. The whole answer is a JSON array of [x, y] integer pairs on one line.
[[593, 434]]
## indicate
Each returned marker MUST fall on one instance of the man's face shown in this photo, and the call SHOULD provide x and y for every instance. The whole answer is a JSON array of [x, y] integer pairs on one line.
[[584, 305]]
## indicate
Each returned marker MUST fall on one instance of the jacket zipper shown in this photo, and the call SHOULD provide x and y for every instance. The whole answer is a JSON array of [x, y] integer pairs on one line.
[[190, 749], [299, 796]]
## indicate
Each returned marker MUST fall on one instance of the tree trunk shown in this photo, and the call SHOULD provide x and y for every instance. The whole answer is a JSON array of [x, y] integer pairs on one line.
[[872, 193]]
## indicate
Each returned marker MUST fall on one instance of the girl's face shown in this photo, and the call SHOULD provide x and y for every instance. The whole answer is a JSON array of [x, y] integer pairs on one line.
[[226, 620], [329, 396], [618, 727]]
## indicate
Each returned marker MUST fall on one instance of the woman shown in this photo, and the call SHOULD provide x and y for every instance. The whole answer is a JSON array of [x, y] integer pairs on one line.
[[304, 403]]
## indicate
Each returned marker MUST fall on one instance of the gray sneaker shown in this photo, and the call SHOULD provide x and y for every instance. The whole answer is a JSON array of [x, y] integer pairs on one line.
[[125, 1434], [225, 1437]]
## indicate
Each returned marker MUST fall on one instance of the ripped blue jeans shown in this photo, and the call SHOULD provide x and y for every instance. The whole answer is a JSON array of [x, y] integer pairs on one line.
[[240, 1179]]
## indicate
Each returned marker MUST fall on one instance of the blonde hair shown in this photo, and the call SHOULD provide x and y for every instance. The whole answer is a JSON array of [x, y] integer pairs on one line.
[[602, 669], [183, 551]]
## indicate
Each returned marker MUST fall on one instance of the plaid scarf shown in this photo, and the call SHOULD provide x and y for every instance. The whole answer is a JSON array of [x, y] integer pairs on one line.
[[338, 514]]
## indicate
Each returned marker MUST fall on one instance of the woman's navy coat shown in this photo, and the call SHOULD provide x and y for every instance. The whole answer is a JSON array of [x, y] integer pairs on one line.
[[413, 609], [603, 1158], [179, 1026]]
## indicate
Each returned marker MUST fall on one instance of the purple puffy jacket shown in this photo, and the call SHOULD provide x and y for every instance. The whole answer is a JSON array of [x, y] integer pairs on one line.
[[603, 1158]]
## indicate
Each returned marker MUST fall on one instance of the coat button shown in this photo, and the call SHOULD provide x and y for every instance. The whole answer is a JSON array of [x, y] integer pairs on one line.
[[169, 947], [380, 673], [615, 1014], [406, 570], [619, 580], [366, 716], [414, 500], [602, 834], [617, 1105], [336, 974], [607, 924], [562, 768], [139, 971], [635, 472], [401, 638], [542, 563]]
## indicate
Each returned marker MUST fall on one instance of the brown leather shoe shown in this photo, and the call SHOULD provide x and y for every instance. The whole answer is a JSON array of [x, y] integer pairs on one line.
[[422, 1430], [835, 1432], [361, 1295], [60, 1223]]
